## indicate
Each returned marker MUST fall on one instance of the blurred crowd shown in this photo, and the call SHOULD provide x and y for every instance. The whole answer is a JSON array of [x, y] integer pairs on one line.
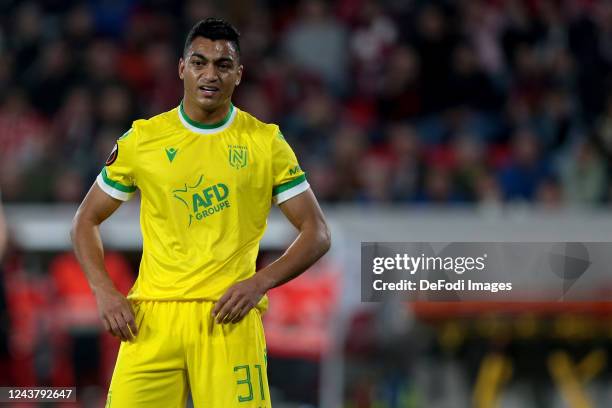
[[405, 101]]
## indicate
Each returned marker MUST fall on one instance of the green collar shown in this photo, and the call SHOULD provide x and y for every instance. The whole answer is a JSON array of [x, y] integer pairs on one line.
[[199, 127]]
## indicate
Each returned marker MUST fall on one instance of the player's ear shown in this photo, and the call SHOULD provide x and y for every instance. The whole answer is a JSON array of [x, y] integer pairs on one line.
[[239, 75], [181, 68]]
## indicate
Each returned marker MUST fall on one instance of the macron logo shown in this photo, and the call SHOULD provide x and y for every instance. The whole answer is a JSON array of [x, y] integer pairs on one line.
[[171, 152]]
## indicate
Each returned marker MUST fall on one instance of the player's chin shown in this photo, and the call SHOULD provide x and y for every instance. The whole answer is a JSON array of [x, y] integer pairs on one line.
[[209, 102]]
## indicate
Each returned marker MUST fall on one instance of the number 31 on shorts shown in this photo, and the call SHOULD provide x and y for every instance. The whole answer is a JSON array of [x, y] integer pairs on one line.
[[245, 382]]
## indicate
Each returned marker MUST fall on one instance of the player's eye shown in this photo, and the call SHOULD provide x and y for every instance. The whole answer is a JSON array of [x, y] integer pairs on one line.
[[197, 63]]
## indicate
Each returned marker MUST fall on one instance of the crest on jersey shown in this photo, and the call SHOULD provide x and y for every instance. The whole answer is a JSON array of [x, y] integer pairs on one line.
[[238, 156], [113, 155]]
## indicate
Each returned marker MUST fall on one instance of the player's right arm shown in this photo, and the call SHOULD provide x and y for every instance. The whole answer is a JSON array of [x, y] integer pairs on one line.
[[115, 183], [115, 310]]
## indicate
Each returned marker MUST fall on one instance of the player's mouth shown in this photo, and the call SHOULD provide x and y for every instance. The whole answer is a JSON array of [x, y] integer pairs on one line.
[[208, 90]]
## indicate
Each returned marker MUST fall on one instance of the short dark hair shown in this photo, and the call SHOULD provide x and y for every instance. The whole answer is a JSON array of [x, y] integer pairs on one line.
[[213, 29]]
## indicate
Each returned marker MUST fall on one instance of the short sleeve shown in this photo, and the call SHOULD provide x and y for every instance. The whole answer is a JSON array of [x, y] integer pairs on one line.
[[117, 177], [289, 179]]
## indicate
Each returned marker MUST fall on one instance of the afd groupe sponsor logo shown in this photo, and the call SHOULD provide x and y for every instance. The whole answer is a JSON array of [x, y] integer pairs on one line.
[[203, 200]]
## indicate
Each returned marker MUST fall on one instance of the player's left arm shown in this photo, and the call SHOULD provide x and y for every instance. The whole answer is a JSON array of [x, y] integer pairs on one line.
[[312, 242]]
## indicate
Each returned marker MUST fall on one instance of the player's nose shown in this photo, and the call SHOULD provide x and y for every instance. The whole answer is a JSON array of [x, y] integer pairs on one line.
[[208, 74]]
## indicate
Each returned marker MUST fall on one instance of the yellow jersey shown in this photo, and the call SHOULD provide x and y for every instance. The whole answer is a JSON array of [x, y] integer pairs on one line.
[[206, 191]]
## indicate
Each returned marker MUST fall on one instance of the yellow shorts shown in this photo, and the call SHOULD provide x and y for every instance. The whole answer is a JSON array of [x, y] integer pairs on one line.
[[179, 348]]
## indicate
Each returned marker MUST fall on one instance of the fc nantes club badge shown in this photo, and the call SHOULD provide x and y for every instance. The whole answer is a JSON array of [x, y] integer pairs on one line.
[[238, 156], [113, 155]]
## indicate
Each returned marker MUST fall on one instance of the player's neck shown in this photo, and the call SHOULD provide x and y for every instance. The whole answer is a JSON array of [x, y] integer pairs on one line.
[[206, 117]]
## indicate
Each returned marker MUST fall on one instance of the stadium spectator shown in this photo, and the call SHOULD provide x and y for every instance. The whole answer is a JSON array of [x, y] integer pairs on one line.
[[317, 42], [22, 137], [521, 178], [583, 176]]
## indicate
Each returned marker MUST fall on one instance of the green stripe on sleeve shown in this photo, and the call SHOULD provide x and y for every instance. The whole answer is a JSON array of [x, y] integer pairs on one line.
[[116, 185], [286, 186]]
